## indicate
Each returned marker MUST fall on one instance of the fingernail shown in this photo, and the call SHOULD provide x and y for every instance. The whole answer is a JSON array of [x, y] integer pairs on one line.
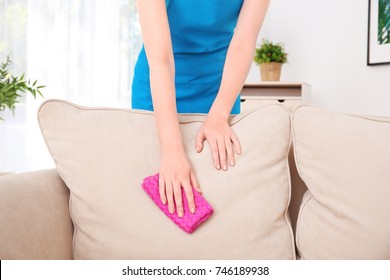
[[192, 210], [197, 148], [232, 163], [218, 166], [171, 209], [224, 167], [163, 201], [180, 213]]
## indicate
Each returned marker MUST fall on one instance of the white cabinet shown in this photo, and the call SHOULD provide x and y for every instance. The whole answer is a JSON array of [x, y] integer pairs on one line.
[[290, 94]]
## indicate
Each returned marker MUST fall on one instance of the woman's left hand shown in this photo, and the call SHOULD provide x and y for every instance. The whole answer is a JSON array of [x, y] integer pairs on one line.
[[223, 142]]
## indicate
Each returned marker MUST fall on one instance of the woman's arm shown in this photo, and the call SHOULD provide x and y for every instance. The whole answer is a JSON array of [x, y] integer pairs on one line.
[[238, 61], [175, 169]]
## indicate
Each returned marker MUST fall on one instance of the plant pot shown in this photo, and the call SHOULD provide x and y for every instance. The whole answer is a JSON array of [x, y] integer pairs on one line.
[[270, 71]]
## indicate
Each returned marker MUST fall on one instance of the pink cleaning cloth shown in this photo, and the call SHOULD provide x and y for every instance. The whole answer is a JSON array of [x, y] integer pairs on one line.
[[189, 222]]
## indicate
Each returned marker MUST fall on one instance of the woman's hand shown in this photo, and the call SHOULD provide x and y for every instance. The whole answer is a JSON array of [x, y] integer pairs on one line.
[[176, 172], [222, 141]]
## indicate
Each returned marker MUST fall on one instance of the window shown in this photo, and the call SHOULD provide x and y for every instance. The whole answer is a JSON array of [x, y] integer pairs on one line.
[[83, 51]]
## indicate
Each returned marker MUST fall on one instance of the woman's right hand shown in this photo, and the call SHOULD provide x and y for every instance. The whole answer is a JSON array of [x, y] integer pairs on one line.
[[176, 172]]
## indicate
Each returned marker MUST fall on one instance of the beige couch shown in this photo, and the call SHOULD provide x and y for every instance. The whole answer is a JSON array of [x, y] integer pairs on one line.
[[259, 210], [35, 219]]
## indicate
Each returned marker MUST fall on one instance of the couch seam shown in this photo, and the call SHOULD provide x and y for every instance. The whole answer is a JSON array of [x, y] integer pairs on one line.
[[379, 119], [297, 231], [233, 119], [74, 225], [296, 157], [286, 166]]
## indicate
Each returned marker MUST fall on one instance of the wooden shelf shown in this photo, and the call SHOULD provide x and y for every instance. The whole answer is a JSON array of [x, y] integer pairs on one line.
[[290, 93]]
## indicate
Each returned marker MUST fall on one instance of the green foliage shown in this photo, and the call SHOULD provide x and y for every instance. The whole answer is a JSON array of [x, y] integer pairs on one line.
[[384, 22], [270, 52], [11, 87]]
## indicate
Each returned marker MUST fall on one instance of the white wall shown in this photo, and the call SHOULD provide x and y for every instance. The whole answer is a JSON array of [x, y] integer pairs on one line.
[[327, 46]]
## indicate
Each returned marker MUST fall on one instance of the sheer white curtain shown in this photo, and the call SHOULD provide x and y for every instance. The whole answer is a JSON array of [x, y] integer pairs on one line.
[[82, 51], [92, 45]]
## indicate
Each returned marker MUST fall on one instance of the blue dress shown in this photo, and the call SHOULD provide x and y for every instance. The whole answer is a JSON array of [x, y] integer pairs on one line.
[[201, 32]]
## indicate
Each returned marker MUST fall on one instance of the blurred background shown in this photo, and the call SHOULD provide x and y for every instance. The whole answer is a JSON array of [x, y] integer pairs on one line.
[[83, 51]]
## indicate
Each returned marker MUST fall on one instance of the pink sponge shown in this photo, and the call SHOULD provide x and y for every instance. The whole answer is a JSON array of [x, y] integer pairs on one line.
[[189, 222]]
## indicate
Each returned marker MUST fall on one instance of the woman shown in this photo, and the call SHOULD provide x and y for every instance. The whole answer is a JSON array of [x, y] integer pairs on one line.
[[195, 59]]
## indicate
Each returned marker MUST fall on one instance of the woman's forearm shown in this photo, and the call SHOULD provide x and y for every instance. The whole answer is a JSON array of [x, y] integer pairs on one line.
[[158, 47], [237, 65], [164, 103], [239, 56]]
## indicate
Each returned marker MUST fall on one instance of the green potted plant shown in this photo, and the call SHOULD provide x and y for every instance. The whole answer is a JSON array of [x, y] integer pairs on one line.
[[270, 57], [11, 87]]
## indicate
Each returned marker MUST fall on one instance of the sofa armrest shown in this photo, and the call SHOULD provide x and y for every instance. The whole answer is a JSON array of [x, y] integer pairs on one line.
[[34, 216]]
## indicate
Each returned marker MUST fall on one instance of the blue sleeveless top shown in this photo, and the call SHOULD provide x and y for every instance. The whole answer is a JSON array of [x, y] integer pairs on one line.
[[201, 32]]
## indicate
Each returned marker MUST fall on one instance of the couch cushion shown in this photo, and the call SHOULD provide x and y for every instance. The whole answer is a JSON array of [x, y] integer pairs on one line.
[[345, 162], [103, 155], [34, 217]]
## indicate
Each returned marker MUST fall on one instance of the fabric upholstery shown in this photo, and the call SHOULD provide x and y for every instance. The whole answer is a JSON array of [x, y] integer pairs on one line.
[[34, 217], [103, 154], [344, 161]]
